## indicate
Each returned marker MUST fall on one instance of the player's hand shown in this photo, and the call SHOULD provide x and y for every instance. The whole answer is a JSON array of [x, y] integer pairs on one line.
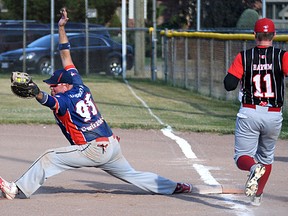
[[64, 19], [23, 86]]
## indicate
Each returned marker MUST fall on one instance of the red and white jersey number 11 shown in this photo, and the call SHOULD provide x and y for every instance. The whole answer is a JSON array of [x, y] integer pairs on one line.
[[257, 82]]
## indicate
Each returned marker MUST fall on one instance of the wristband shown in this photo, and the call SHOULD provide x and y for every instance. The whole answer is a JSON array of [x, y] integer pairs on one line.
[[64, 46], [44, 99]]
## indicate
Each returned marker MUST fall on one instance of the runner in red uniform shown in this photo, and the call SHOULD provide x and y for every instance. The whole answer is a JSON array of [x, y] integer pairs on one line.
[[261, 71]]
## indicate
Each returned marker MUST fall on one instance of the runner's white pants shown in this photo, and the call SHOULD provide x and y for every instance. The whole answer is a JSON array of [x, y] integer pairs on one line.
[[256, 133]]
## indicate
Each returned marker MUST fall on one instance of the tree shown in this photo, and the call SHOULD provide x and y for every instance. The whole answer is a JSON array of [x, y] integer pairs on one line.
[[40, 10], [174, 14], [214, 13], [106, 9], [170, 12], [220, 13], [189, 12]]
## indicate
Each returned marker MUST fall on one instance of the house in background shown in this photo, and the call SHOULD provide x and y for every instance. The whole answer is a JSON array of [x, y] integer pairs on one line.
[[278, 11]]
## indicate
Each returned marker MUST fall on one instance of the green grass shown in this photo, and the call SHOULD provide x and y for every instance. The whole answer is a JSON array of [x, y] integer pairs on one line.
[[182, 109]]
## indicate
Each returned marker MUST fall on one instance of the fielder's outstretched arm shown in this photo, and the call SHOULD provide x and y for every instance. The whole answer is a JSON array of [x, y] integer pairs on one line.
[[64, 45]]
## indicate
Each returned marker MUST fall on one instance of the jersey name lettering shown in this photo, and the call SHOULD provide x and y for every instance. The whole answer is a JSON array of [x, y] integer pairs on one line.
[[257, 67], [93, 125], [78, 95]]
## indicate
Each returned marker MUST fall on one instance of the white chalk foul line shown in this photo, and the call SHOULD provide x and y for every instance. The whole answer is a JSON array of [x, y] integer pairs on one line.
[[187, 150], [183, 144], [144, 103]]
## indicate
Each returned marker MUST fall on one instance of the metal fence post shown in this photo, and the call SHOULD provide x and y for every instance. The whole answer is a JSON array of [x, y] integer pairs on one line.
[[173, 56], [226, 62], [165, 55], [198, 63], [186, 62], [211, 77]]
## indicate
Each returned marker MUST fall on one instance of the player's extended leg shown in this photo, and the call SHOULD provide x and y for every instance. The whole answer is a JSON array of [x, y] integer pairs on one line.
[[53, 162], [147, 181]]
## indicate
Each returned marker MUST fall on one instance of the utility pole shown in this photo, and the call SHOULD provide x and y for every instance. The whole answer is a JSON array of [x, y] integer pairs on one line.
[[24, 35], [52, 5], [139, 51], [154, 45], [86, 38], [123, 31]]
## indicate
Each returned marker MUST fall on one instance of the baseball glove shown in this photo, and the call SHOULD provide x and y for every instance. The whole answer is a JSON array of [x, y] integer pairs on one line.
[[23, 86]]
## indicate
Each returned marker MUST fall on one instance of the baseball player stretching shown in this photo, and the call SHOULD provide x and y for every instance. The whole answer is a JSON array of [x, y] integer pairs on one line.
[[93, 144], [261, 71]]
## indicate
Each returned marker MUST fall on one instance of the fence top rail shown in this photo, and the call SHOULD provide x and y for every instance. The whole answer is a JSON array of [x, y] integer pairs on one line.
[[218, 36]]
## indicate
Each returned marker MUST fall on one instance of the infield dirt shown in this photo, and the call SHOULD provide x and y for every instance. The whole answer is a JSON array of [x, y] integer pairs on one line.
[[90, 191]]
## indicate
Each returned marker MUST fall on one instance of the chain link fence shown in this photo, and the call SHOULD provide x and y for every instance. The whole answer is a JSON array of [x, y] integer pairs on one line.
[[199, 61]]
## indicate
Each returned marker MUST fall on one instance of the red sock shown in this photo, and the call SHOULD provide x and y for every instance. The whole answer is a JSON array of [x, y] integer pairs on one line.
[[245, 162], [263, 180]]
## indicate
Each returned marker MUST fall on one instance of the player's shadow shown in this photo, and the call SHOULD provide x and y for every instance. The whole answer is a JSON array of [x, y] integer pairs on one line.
[[112, 189], [212, 200], [281, 159], [283, 199], [96, 187]]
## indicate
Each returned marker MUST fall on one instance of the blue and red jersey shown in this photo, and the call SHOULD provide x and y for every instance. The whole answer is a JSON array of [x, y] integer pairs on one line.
[[77, 114]]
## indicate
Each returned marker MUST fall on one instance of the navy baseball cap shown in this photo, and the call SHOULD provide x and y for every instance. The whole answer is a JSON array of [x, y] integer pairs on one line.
[[59, 76]]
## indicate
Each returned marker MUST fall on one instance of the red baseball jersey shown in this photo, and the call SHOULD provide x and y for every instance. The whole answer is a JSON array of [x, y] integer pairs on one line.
[[261, 71]]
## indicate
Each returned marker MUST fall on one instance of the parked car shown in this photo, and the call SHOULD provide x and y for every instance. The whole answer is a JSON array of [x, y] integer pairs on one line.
[[105, 55], [11, 32], [80, 28]]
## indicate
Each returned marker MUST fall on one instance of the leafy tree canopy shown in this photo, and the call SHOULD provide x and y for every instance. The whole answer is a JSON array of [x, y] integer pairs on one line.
[[40, 10], [174, 13]]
